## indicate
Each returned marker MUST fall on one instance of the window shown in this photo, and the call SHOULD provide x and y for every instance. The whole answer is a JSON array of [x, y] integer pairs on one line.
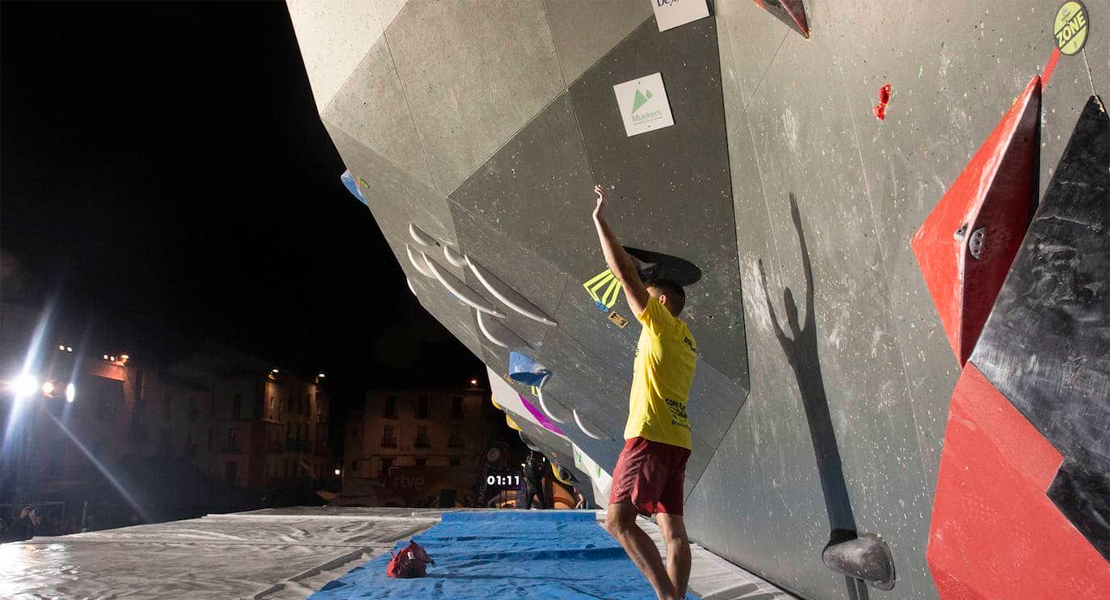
[[456, 438], [231, 469], [389, 439], [193, 411], [354, 466], [422, 407], [457, 407], [167, 407], [232, 440], [454, 462], [422, 437], [389, 409], [421, 462], [211, 438], [273, 408], [387, 464], [237, 407], [104, 405]]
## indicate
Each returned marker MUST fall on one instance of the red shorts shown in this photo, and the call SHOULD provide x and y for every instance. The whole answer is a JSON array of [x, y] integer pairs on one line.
[[650, 475]]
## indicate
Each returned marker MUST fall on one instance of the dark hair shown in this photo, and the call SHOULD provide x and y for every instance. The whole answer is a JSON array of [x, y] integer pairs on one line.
[[676, 296]]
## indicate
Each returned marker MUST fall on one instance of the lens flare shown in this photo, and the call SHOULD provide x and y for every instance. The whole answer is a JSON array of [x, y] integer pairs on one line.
[[25, 385], [71, 393]]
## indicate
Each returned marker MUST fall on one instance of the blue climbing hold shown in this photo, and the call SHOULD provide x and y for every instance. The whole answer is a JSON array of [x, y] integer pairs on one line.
[[527, 371]]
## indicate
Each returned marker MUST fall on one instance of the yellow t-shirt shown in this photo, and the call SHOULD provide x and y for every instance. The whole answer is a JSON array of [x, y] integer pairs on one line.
[[665, 358]]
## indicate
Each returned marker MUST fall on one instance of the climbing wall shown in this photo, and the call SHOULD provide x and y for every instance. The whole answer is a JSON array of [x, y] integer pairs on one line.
[[851, 184]]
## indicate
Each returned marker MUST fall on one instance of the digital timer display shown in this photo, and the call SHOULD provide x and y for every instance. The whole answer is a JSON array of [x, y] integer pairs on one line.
[[503, 480]]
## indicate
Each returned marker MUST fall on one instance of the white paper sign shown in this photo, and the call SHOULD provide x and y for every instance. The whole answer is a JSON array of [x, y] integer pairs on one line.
[[643, 104], [672, 13]]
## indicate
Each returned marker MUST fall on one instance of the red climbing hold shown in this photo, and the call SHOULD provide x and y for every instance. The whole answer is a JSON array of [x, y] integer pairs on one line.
[[884, 99], [967, 243], [791, 12]]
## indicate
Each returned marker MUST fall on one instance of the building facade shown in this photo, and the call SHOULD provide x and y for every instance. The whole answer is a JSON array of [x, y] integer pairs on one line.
[[416, 428]]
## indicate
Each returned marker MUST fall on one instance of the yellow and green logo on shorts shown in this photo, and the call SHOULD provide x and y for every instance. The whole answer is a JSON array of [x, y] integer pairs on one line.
[[1071, 27]]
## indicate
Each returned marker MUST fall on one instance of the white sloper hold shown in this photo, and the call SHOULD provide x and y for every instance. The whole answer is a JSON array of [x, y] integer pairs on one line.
[[547, 411], [421, 236], [460, 290], [498, 333], [500, 290], [586, 430], [418, 263], [454, 257]]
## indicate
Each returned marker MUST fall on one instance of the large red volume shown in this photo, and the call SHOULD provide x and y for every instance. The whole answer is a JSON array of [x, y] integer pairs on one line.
[[791, 12], [966, 245], [994, 532]]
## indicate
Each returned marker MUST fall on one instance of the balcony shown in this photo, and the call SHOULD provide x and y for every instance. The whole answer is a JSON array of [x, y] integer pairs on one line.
[[456, 444], [389, 443], [422, 443]]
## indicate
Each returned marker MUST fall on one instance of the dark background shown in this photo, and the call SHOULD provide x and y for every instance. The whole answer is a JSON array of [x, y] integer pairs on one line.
[[166, 178]]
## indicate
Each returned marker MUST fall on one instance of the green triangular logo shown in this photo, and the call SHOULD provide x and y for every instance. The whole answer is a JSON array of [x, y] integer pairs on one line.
[[640, 99]]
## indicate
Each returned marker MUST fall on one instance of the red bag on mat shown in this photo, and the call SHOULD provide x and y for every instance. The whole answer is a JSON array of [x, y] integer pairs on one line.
[[411, 561]]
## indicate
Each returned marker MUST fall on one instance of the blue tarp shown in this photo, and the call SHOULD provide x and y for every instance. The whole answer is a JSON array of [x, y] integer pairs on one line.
[[553, 555]]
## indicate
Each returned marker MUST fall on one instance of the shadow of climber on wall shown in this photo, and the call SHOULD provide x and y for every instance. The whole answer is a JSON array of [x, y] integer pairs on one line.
[[858, 556]]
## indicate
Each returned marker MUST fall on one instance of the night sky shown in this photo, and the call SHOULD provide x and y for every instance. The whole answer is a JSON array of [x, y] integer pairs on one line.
[[165, 175]]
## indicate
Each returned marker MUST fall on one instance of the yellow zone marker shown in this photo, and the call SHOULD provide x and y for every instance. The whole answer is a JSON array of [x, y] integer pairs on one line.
[[1070, 28], [604, 289]]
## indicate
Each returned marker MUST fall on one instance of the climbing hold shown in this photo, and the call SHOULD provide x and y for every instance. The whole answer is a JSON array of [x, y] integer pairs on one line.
[[421, 236], [418, 263], [498, 333], [461, 291], [997, 190], [527, 371], [884, 99], [547, 411], [349, 181], [586, 430], [506, 294], [453, 256], [791, 12]]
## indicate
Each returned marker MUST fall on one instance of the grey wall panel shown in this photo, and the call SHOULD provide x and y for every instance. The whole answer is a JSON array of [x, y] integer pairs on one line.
[[758, 36], [452, 314], [394, 192], [585, 31], [537, 190], [474, 73], [861, 363], [532, 277], [671, 189], [371, 108]]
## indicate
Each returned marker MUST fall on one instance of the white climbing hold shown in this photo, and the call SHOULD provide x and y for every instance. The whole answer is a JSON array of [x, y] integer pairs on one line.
[[454, 257], [547, 411], [585, 430], [420, 236], [508, 295], [418, 263], [460, 289]]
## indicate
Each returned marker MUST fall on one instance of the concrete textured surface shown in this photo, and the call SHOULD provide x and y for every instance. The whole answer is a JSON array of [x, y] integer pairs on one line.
[[513, 108]]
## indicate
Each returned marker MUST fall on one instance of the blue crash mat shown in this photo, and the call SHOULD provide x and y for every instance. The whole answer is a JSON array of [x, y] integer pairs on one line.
[[559, 555]]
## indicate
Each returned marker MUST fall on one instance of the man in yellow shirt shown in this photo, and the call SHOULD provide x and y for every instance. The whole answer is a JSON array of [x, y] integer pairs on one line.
[[650, 472]]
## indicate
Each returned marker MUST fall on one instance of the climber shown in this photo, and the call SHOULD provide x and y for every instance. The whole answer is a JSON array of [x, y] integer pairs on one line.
[[650, 471]]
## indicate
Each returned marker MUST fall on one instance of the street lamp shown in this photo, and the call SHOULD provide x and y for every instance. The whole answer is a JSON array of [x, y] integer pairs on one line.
[[338, 472], [25, 385]]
